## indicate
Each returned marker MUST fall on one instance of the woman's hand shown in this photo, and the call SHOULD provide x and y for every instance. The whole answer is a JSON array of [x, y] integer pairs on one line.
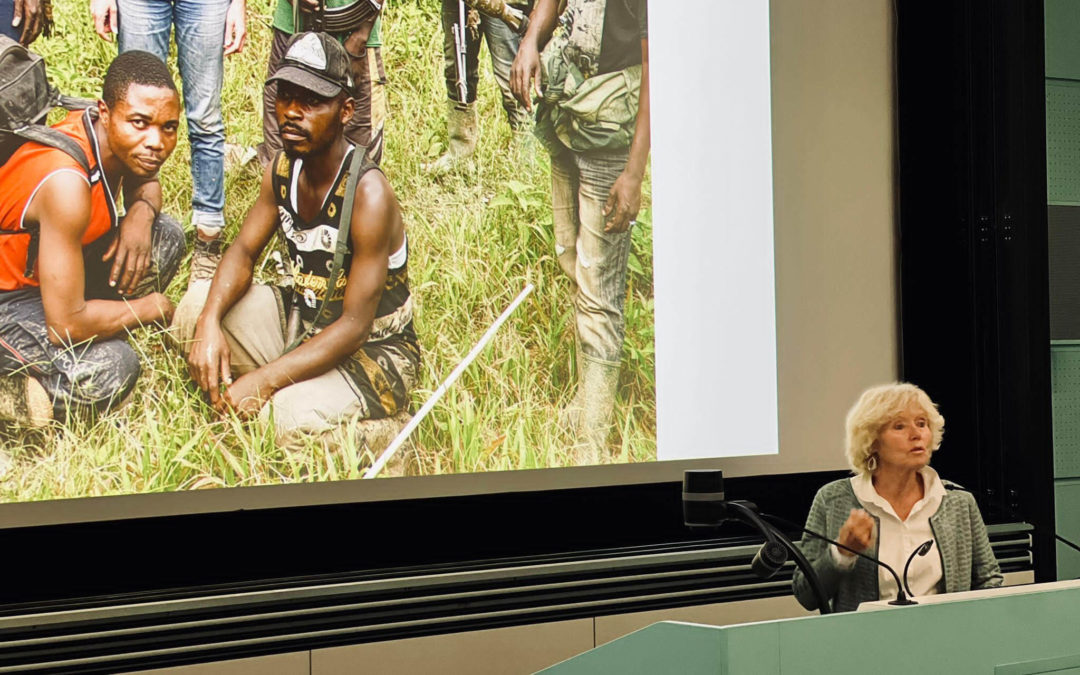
[[857, 532]]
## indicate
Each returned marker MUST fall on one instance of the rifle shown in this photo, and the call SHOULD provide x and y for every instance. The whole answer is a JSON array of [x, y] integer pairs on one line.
[[298, 18], [511, 16], [460, 51]]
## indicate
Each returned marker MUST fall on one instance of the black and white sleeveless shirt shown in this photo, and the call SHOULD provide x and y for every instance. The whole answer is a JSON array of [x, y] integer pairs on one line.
[[311, 249]]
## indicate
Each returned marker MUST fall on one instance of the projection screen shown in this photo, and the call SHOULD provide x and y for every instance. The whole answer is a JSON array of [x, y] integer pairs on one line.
[[761, 296]]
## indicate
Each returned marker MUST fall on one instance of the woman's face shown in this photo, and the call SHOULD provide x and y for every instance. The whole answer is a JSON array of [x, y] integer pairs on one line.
[[904, 442]]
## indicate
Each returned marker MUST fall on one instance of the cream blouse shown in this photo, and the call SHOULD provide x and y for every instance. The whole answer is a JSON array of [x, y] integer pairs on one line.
[[898, 538]]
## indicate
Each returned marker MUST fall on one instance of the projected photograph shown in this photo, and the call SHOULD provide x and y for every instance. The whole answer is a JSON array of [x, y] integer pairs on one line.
[[496, 309], [560, 381]]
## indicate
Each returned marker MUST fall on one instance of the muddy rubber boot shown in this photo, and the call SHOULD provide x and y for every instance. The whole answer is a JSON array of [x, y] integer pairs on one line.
[[569, 417], [597, 382], [461, 125], [25, 401]]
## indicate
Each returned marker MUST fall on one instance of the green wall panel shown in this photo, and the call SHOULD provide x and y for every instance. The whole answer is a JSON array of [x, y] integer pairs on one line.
[[1062, 33], [1062, 45], [1065, 398], [1067, 510], [1063, 142]]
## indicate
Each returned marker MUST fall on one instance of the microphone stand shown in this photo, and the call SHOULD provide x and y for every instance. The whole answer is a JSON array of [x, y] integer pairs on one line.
[[746, 512], [922, 550], [901, 597]]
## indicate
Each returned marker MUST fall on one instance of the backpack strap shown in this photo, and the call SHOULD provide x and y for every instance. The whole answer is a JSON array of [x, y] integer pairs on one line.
[[341, 246], [54, 139]]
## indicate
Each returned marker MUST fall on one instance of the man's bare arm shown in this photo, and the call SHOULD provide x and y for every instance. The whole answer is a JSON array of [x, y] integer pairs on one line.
[[130, 250], [624, 201], [61, 209], [375, 218], [233, 276], [525, 72], [208, 359]]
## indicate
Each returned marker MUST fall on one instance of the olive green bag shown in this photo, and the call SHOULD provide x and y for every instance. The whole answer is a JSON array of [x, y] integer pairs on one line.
[[586, 114]]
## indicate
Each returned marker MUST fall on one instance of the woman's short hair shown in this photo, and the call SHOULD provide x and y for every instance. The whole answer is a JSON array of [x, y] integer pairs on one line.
[[877, 407]]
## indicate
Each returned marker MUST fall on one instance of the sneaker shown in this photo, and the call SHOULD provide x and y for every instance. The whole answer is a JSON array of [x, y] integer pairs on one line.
[[25, 401], [205, 259]]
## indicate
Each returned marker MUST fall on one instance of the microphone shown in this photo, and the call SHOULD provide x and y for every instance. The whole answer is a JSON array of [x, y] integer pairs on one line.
[[922, 550], [901, 596], [704, 505], [769, 559]]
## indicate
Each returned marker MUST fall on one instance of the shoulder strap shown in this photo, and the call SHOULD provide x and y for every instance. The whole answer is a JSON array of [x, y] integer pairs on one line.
[[344, 232], [54, 139]]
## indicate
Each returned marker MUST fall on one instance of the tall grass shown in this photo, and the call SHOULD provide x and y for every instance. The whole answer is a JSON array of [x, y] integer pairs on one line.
[[476, 239]]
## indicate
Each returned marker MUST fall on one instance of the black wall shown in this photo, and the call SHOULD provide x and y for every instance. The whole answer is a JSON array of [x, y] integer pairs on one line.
[[973, 246]]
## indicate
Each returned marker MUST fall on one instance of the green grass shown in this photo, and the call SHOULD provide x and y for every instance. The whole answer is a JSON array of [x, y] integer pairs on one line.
[[476, 239]]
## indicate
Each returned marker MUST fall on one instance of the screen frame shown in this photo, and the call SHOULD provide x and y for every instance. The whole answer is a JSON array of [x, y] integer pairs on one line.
[[79, 510]]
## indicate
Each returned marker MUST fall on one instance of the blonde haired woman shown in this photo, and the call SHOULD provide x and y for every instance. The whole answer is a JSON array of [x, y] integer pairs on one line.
[[892, 504]]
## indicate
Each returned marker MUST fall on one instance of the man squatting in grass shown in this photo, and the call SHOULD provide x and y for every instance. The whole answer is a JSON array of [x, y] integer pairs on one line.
[[74, 276], [363, 359], [596, 176]]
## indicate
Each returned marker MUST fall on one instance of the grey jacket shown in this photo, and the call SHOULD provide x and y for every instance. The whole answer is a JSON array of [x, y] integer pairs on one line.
[[967, 561]]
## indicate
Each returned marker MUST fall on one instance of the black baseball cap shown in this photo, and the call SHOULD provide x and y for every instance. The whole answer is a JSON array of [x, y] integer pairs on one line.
[[317, 62]]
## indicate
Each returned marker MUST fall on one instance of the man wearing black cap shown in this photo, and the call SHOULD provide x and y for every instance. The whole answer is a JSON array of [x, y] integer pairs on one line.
[[339, 345]]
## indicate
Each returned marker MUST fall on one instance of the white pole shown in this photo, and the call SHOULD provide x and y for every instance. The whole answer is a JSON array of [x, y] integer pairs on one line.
[[419, 416]]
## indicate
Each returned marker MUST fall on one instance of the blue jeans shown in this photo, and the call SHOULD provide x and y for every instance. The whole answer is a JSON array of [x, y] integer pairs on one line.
[[594, 259], [7, 14], [502, 44], [200, 40]]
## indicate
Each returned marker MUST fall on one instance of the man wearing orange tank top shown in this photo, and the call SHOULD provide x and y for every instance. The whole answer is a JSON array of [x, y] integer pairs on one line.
[[75, 275]]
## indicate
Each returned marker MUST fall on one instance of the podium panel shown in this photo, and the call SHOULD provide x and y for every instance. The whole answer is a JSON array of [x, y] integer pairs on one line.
[[1011, 631]]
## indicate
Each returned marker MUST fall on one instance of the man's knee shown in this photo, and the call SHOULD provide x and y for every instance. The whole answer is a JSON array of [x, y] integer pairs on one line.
[[292, 413], [99, 378], [566, 254]]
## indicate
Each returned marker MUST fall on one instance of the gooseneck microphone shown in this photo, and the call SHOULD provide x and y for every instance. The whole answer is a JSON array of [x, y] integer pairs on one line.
[[704, 506], [923, 549], [901, 596]]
